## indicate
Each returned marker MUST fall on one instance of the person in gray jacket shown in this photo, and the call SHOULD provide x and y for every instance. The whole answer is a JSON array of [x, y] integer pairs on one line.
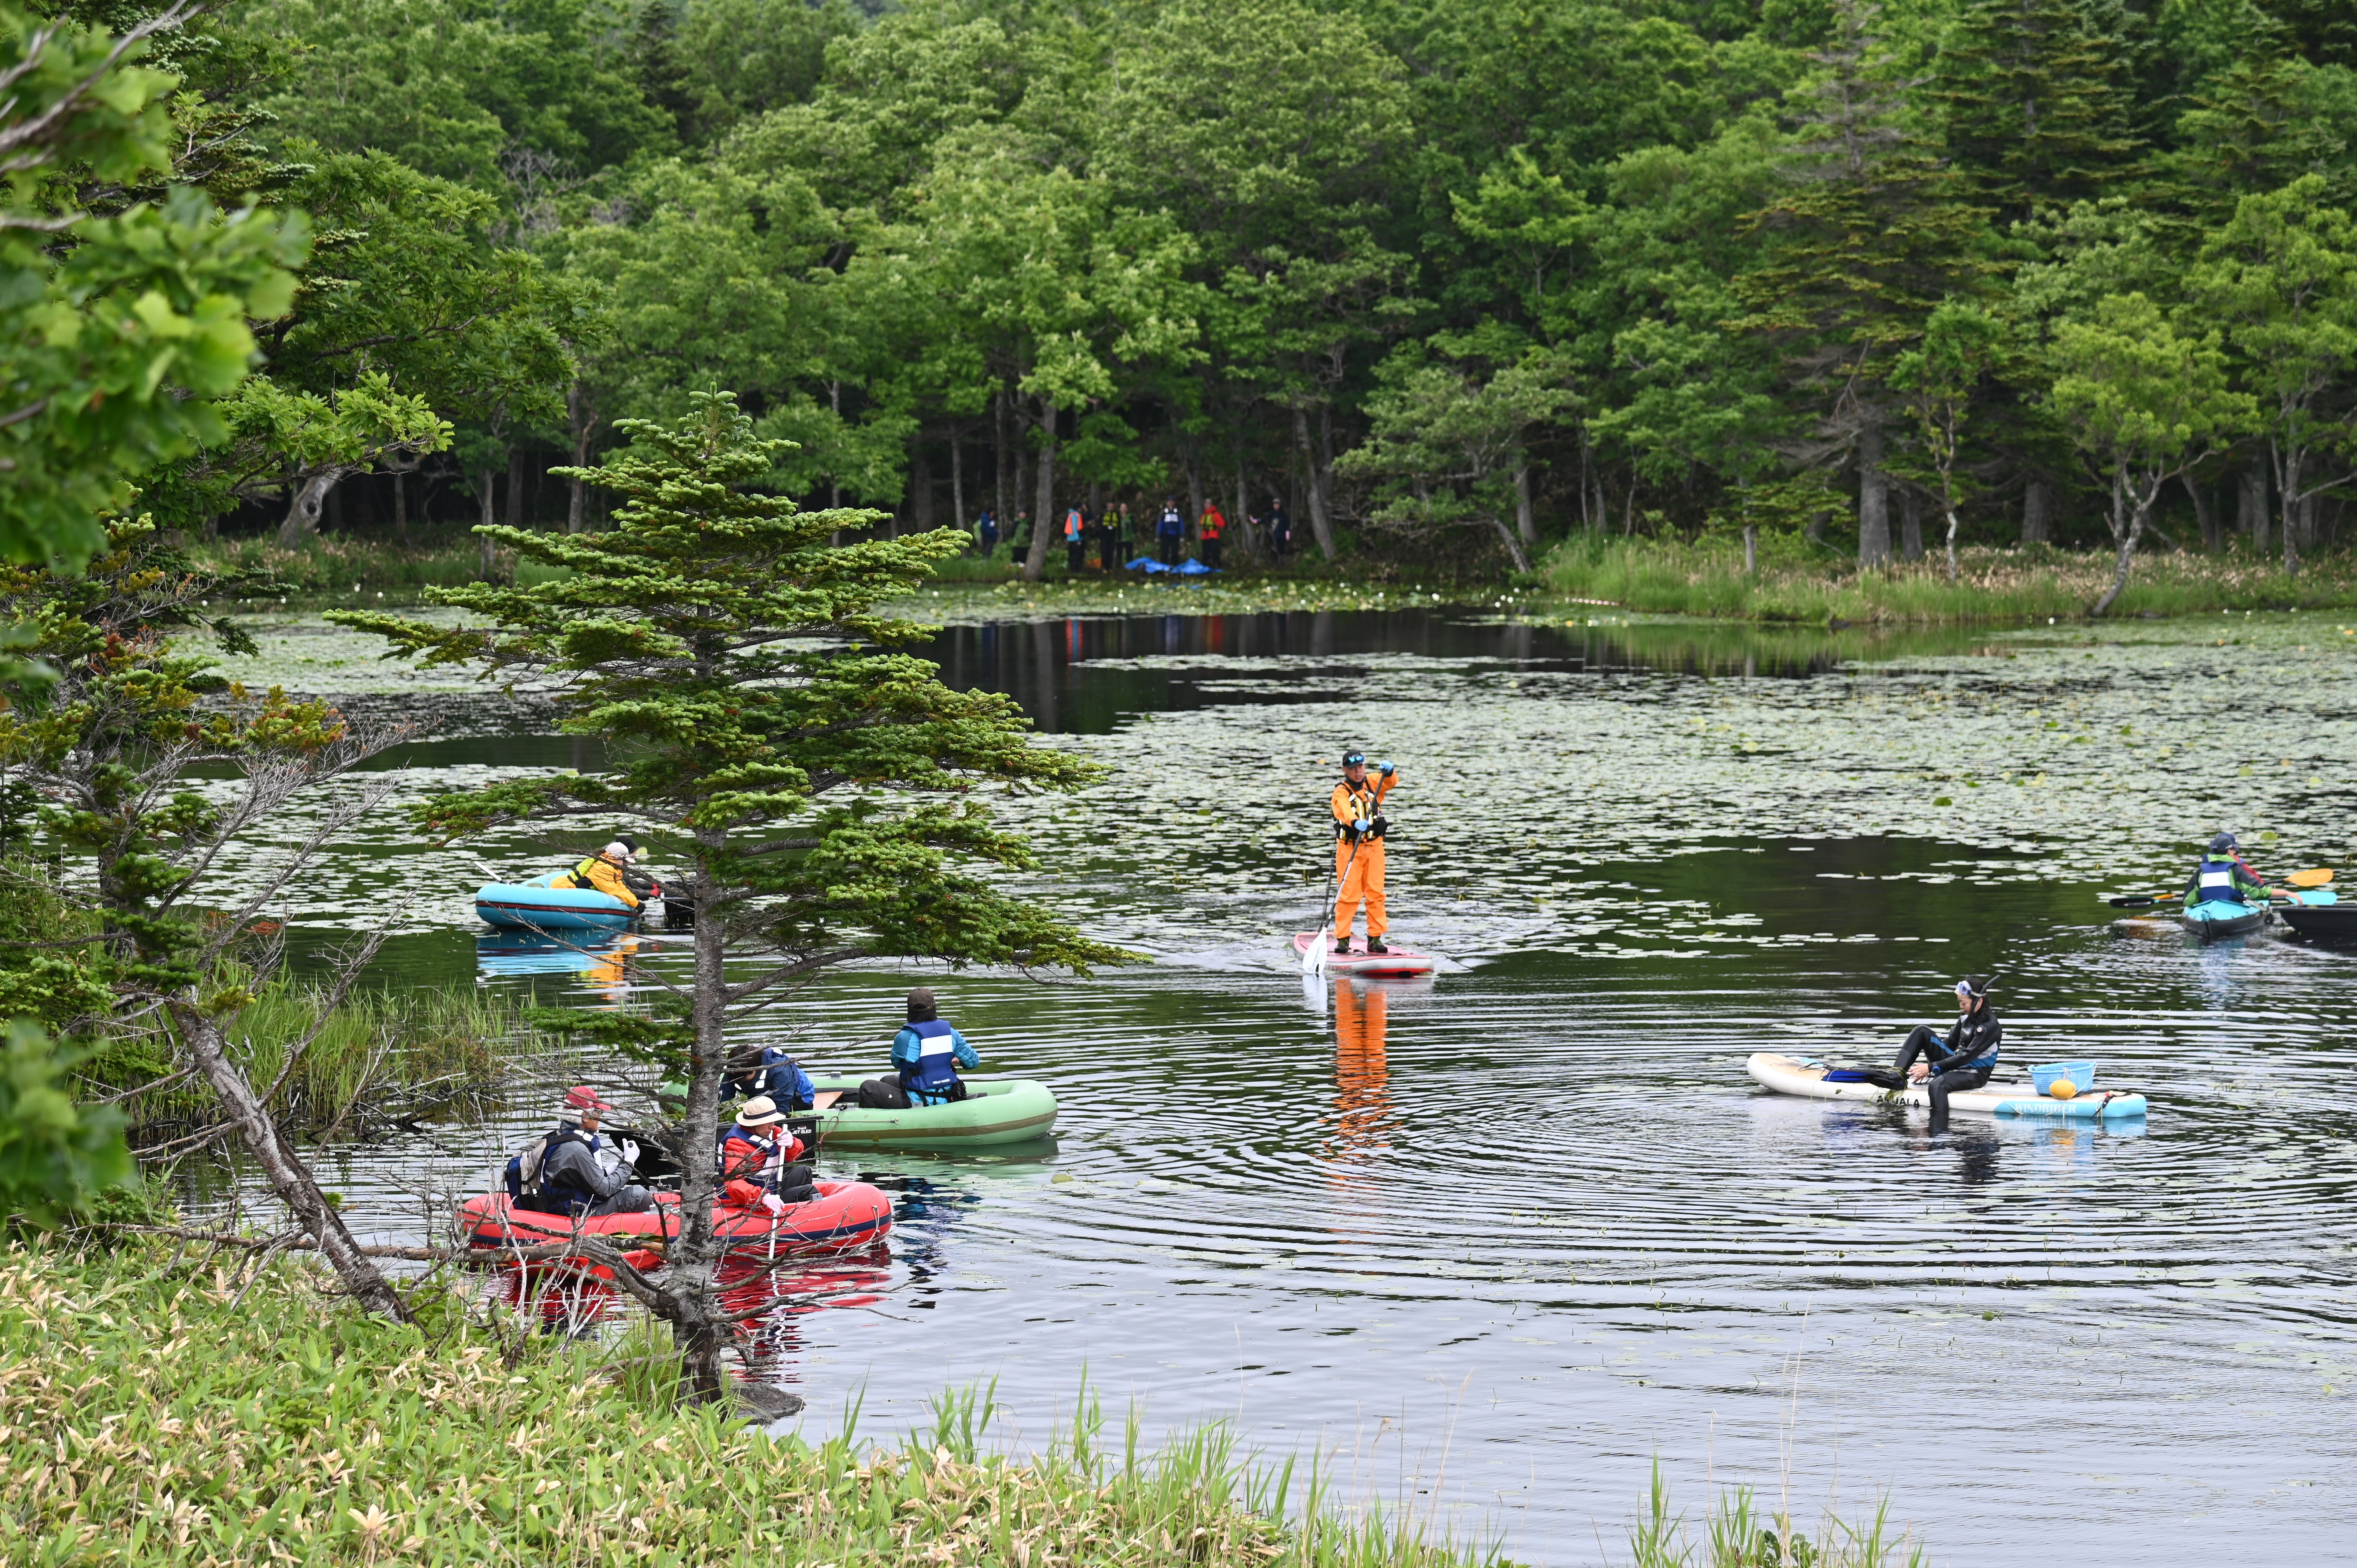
[[586, 1179]]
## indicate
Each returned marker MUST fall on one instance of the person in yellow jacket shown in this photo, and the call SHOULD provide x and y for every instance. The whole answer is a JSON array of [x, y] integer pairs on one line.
[[1358, 829], [608, 871]]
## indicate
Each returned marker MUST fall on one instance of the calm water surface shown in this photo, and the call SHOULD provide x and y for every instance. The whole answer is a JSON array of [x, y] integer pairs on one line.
[[1493, 1243]]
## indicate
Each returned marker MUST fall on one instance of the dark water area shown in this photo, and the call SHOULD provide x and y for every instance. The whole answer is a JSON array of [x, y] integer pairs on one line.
[[1491, 1243]]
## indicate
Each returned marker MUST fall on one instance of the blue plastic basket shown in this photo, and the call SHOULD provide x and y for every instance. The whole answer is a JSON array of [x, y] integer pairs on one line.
[[2081, 1074]]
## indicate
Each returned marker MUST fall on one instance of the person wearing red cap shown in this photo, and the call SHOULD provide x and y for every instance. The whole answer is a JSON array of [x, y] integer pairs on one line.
[[571, 1170]]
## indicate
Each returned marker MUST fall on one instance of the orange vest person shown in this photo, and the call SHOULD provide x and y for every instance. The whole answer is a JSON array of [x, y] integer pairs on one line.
[[1359, 830], [1208, 528], [606, 872]]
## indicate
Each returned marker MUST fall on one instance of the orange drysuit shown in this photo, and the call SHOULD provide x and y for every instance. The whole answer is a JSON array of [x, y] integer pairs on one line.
[[604, 875], [1359, 857]]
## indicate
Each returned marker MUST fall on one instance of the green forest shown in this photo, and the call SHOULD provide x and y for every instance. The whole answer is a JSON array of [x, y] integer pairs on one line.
[[1452, 281]]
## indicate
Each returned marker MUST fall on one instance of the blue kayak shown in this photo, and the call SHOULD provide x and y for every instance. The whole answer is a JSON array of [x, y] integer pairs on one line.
[[2214, 919], [537, 907]]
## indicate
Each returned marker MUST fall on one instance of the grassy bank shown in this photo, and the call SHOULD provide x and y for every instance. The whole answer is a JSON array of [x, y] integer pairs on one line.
[[1708, 579], [153, 1410], [342, 569], [1741, 1532]]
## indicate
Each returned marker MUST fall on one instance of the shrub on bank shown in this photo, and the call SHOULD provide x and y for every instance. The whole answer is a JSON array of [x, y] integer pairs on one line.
[[154, 1409], [1708, 578]]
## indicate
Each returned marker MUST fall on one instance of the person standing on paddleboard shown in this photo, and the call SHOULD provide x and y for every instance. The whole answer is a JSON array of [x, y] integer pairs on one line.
[[1963, 1061], [1359, 830]]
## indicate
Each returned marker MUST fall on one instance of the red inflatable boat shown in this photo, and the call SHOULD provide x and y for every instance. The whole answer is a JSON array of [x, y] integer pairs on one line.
[[845, 1215]]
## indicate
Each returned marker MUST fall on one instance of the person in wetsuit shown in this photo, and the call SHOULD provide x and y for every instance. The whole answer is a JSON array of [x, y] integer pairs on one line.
[[1964, 1060]]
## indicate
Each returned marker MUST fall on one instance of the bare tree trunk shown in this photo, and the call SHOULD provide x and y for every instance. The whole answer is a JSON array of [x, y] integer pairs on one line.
[[310, 498], [1948, 504], [1194, 479], [2037, 512], [1873, 501], [1243, 517], [999, 452], [2288, 496], [519, 471], [2127, 527], [691, 1306], [2205, 512], [401, 507], [1321, 522], [2254, 506], [1527, 522], [957, 475], [288, 1177], [1035, 560], [1514, 545], [921, 490], [581, 420], [490, 559], [1911, 523], [1750, 549]]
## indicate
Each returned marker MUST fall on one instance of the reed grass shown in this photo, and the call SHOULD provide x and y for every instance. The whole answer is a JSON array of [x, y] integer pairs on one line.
[[1708, 578], [1740, 1533], [157, 1409], [399, 1054]]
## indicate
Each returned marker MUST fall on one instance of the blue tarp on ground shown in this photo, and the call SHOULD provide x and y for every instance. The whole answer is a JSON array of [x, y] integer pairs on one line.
[[1184, 568]]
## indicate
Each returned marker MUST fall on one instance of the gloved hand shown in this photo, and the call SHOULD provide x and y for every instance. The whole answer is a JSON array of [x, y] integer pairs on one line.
[[1385, 769], [770, 1201], [1379, 827], [629, 1153], [1350, 829]]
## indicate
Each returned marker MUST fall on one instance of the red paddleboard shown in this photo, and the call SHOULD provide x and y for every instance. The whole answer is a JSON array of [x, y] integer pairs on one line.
[[1393, 965]]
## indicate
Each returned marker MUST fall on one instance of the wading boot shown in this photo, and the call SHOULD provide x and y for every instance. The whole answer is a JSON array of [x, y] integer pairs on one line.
[[1343, 946], [1375, 944]]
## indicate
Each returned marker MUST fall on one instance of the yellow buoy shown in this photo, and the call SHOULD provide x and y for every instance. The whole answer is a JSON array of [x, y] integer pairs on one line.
[[2062, 1088]]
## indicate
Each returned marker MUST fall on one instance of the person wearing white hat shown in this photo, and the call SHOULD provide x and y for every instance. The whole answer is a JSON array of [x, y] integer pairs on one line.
[[609, 872], [757, 1160]]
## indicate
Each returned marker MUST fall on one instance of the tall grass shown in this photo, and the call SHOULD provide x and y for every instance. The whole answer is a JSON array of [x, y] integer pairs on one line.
[[402, 1054], [157, 1409], [338, 566], [1739, 1534], [1708, 578]]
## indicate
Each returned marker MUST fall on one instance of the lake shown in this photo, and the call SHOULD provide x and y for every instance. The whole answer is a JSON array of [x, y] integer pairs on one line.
[[1491, 1243]]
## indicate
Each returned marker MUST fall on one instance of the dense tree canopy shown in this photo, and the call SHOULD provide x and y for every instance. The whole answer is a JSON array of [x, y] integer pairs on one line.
[[1537, 266]]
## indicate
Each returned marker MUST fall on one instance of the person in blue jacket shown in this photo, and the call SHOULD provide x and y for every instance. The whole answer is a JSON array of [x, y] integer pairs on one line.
[[929, 1052], [768, 1069]]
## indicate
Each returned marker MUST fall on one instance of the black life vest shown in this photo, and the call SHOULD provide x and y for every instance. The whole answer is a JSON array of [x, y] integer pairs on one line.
[[527, 1181]]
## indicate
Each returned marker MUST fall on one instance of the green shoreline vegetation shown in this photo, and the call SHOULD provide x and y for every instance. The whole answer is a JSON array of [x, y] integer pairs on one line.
[[160, 1406], [156, 1409], [1995, 585]]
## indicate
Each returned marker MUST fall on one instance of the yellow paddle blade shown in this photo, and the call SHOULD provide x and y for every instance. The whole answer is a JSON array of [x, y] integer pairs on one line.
[[2318, 878]]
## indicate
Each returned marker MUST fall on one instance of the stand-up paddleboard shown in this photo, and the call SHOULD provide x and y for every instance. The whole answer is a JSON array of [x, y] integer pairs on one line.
[[1995, 1098], [1395, 964]]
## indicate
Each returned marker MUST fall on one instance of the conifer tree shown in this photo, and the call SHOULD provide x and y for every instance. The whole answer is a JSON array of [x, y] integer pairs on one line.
[[1875, 233], [813, 788], [2037, 102]]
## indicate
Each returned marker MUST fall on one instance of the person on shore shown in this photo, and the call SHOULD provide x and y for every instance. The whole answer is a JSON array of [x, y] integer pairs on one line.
[[770, 1071], [571, 1171], [927, 1054], [609, 872], [1076, 539], [985, 532], [1359, 830], [1208, 528], [1171, 533], [1124, 534], [1962, 1059], [1280, 530], [758, 1160], [2224, 877]]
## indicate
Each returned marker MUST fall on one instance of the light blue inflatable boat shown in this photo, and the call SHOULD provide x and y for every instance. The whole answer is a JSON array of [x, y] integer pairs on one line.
[[536, 905]]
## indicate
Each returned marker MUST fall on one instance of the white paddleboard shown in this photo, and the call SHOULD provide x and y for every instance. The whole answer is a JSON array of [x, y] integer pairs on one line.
[[1999, 1097]]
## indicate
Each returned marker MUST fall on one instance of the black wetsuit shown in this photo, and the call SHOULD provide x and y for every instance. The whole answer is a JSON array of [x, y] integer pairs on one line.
[[1963, 1060]]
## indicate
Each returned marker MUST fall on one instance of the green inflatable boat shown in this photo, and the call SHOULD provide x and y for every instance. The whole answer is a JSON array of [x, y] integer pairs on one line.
[[994, 1111]]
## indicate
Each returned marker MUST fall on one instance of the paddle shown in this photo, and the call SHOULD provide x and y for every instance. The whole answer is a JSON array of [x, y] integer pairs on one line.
[[2315, 877]]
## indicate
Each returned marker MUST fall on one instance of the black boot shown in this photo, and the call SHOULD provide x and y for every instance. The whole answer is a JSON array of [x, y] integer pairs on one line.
[[1375, 944], [1343, 945], [1882, 1078]]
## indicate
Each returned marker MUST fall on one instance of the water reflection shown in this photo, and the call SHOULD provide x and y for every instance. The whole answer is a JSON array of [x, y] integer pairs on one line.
[[601, 962], [1362, 1104]]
